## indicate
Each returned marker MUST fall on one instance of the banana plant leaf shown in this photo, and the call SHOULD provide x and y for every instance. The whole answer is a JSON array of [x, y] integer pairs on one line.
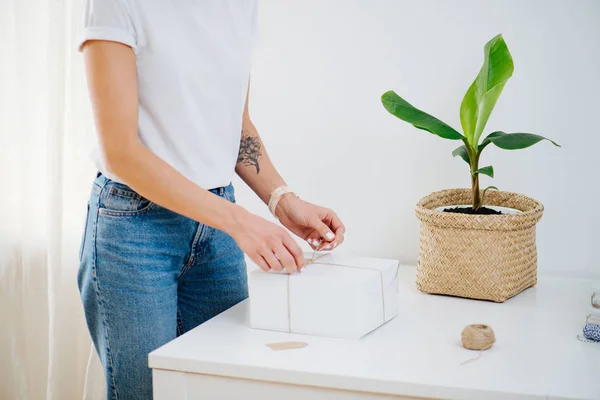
[[515, 141], [489, 171], [480, 99], [463, 153], [400, 108]]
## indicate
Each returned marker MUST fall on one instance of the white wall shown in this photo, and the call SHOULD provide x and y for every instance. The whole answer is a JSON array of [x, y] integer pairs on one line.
[[322, 65]]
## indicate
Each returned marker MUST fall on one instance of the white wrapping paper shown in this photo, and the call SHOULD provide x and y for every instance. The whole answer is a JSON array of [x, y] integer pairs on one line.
[[336, 296], [596, 296]]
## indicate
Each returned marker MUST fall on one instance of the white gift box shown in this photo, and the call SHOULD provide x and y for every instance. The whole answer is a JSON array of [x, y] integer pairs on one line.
[[336, 296]]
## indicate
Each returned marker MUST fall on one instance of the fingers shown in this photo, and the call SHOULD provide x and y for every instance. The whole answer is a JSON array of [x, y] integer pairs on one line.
[[277, 250], [339, 229], [314, 240], [296, 251], [336, 225], [286, 258], [271, 259], [260, 261], [322, 229], [269, 246], [326, 246], [317, 244]]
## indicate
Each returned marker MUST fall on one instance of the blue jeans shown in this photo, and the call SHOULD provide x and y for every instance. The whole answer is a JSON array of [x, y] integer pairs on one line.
[[147, 275]]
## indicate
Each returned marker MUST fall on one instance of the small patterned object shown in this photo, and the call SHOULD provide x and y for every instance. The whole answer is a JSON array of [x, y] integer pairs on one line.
[[592, 332], [276, 195]]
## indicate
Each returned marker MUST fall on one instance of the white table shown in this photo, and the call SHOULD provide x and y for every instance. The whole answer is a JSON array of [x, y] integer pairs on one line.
[[416, 355]]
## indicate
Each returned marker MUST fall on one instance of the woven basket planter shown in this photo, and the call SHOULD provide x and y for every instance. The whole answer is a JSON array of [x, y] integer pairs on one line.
[[488, 257]]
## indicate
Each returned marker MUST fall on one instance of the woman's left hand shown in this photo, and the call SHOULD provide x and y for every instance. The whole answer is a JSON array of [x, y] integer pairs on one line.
[[319, 226]]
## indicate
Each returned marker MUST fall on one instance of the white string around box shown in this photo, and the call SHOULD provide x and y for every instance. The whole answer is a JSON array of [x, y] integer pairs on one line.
[[313, 260]]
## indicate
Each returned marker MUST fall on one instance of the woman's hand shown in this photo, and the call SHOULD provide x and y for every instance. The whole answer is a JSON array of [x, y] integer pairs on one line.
[[319, 226], [267, 244]]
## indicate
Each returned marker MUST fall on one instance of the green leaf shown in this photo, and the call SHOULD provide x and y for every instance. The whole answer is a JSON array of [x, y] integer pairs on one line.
[[480, 99], [515, 141], [487, 140], [463, 153], [489, 171], [402, 109], [485, 190]]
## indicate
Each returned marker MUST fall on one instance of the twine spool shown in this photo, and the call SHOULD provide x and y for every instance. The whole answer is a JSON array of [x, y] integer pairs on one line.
[[478, 337]]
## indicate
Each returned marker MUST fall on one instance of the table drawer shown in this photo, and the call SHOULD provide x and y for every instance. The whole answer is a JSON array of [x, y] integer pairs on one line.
[[174, 385]]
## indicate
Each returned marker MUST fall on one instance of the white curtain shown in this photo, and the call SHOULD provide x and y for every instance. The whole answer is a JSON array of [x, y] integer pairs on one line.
[[46, 131]]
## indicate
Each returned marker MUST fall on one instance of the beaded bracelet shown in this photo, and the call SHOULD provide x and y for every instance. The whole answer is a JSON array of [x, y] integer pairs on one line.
[[276, 195]]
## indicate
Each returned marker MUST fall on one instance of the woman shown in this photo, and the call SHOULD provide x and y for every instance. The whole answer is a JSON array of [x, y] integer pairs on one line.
[[164, 242]]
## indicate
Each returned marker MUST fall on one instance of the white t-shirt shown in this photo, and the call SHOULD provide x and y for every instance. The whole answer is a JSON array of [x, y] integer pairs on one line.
[[193, 65]]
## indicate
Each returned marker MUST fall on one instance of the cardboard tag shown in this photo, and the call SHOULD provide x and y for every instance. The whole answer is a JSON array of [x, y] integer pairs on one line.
[[287, 345]]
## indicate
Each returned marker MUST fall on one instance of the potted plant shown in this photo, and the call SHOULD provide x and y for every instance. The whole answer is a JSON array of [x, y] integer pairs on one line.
[[467, 249]]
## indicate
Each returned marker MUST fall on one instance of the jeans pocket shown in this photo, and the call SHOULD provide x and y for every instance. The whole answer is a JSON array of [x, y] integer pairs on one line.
[[120, 200]]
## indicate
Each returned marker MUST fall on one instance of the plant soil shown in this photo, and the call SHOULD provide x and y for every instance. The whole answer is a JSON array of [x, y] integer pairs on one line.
[[470, 210]]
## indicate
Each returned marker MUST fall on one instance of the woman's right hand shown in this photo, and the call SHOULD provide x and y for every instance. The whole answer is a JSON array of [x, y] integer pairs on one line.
[[267, 244]]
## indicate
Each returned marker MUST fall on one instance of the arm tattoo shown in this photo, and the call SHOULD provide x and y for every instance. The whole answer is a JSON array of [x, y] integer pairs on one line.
[[250, 151]]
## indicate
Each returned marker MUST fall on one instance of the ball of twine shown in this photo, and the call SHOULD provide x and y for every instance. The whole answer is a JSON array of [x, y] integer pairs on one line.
[[478, 337]]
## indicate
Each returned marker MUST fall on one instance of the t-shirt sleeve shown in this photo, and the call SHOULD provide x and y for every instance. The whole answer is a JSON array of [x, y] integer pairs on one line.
[[107, 20]]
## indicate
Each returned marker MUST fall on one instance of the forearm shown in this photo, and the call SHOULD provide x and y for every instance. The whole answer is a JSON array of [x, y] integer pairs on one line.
[[156, 180], [254, 165]]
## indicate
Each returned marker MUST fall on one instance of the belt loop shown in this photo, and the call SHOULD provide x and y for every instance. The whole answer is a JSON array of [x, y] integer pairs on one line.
[[221, 191], [101, 180]]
